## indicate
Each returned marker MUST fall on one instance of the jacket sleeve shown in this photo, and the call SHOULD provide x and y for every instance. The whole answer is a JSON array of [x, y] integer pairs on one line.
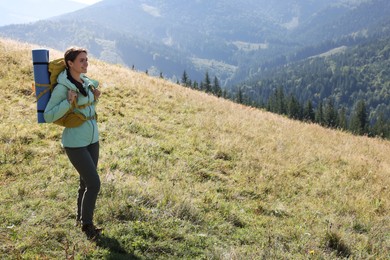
[[58, 104]]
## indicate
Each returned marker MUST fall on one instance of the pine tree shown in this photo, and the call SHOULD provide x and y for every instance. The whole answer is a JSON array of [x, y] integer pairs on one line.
[[276, 103], [319, 115], [240, 96], [202, 86], [308, 112], [207, 83], [225, 94], [280, 101], [343, 122], [184, 79], [381, 127], [195, 85], [294, 108], [330, 114], [217, 90], [359, 120]]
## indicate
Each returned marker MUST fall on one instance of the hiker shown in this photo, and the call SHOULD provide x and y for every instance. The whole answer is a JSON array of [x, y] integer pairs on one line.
[[81, 143]]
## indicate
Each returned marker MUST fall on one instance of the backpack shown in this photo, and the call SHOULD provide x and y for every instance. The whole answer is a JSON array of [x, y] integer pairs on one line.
[[55, 68], [70, 119]]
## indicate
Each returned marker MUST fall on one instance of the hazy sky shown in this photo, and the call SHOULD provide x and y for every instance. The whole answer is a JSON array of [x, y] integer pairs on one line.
[[25, 11], [88, 2]]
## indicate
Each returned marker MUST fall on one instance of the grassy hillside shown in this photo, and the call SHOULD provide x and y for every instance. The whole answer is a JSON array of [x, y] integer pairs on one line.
[[187, 176]]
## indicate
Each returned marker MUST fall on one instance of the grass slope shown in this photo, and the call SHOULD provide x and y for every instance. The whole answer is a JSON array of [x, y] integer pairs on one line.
[[186, 175]]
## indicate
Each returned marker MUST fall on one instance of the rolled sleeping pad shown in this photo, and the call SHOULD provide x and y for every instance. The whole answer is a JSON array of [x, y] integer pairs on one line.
[[40, 59]]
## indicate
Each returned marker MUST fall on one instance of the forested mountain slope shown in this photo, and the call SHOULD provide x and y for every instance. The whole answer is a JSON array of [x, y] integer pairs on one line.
[[343, 76]]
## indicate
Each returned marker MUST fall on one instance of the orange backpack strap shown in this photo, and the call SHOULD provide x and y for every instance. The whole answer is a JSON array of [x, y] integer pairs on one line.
[[91, 87], [47, 87]]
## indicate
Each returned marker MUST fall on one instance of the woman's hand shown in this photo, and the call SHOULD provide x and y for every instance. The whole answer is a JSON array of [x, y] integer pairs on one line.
[[72, 96], [96, 93]]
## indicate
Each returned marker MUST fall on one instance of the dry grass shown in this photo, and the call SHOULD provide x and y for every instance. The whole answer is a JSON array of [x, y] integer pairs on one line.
[[188, 175]]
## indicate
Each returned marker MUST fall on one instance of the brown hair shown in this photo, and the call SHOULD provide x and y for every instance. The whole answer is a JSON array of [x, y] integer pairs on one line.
[[71, 54]]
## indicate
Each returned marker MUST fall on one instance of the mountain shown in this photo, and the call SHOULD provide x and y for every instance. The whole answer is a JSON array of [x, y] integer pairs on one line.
[[344, 74], [229, 39], [26, 11], [186, 175]]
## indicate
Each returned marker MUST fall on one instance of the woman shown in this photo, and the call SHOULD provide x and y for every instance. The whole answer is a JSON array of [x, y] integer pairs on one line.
[[76, 91]]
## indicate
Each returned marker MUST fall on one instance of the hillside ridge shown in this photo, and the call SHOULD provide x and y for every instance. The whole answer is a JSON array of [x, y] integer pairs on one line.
[[187, 175]]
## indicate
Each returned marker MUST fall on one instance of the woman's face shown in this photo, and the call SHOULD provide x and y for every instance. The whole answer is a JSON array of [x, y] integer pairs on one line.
[[80, 64]]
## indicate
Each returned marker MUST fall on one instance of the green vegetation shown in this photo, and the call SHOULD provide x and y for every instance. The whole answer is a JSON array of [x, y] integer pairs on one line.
[[187, 175], [206, 85], [350, 88]]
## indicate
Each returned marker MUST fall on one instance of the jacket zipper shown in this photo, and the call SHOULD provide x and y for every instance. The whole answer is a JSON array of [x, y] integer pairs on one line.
[[90, 112]]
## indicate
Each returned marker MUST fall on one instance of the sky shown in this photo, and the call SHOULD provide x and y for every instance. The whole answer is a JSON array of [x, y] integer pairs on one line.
[[87, 2], [26, 11]]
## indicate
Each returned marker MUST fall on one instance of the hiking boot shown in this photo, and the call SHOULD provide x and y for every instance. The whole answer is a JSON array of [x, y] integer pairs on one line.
[[91, 231]]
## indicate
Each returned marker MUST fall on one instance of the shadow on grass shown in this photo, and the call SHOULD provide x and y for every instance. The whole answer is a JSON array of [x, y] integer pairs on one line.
[[115, 248]]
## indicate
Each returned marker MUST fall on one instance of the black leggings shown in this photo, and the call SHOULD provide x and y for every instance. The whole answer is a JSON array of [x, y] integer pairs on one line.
[[85, 160]]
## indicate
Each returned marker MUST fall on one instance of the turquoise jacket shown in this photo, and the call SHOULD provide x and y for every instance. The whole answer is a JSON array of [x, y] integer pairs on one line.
[[58, 105]]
